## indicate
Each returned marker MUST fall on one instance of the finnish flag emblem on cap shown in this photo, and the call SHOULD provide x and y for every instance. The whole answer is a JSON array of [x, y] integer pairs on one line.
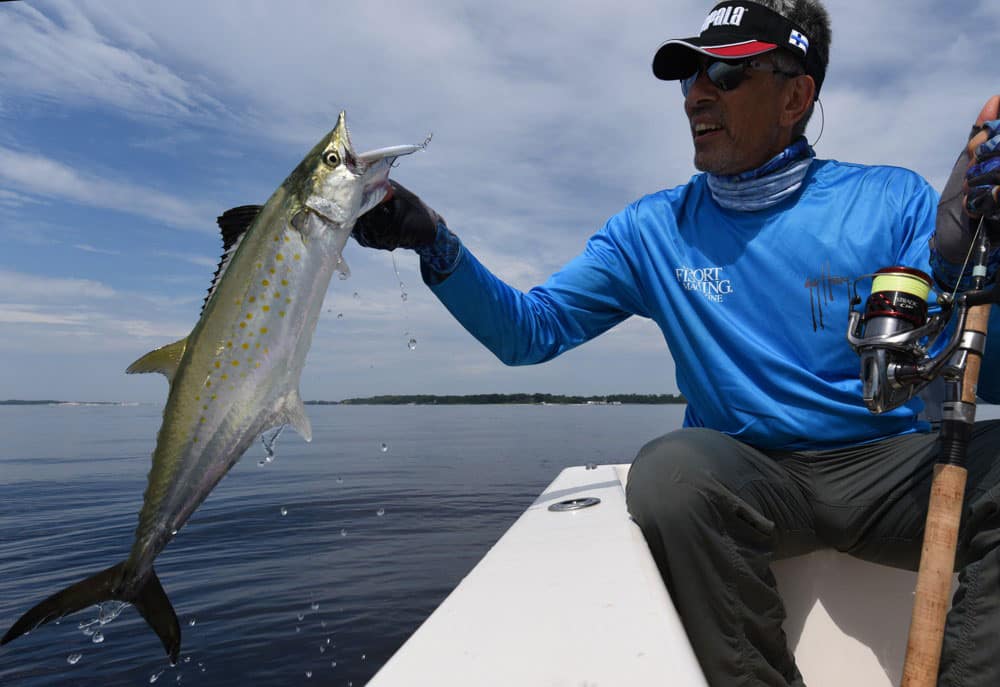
[[799, 41]]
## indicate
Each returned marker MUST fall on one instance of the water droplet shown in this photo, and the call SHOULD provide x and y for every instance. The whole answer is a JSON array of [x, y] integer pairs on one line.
[[298, 630], [342, 275], [173, 533], [591, 466], [187, 659], [343, 533], [192, 622], [411, 344], [322, 623], [97, 638], [340, 480], [322, 649], [327, 640], [73, 659], [300, 616], [333, 664], [380, 512], [340, 316], [268, 439], [383, 447], [309, 673], [363, 657], [357, 296], [314, 605], [403, 296], [284, 512], [154, 677]]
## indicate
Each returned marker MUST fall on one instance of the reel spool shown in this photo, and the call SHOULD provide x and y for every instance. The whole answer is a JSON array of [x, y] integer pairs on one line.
[[893, 335]]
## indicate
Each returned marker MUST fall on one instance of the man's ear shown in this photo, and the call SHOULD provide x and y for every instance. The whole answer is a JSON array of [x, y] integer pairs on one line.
[[799, 94]]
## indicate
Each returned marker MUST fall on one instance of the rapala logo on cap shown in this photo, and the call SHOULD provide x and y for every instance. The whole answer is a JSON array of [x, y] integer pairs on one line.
[[725, 16]]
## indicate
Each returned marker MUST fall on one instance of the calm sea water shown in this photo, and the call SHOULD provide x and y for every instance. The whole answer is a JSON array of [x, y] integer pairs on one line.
[[312, 569]]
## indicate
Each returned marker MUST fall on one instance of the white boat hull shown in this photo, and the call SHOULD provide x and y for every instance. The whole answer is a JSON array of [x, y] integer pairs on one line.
[[574, 599]]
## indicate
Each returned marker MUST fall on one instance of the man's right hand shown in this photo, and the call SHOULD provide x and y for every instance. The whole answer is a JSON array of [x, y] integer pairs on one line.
[[402, 221]]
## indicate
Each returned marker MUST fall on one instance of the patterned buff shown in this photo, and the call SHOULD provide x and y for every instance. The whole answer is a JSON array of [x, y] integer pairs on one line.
[[769, 184]]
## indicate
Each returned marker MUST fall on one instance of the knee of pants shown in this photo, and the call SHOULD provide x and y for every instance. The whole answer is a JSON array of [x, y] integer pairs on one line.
[[672, 475]]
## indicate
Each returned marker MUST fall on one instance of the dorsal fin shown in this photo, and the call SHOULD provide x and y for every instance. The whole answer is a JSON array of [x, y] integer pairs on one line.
[[234, 224]]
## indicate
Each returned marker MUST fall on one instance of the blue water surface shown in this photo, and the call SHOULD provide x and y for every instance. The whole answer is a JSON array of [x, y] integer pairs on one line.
[[287, 574]]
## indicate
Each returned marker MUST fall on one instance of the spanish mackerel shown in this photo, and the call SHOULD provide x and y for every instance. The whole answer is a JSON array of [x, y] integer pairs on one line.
[[236, 375]]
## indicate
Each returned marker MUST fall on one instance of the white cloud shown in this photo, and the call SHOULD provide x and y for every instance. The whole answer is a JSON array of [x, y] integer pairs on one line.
[[87, 248], [19, 285], [52, 179], [55, 51]]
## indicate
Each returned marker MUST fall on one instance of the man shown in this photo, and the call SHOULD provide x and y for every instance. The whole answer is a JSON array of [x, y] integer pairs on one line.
[[778, 455]]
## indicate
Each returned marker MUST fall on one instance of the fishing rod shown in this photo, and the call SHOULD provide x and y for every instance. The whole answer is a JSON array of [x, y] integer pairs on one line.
[[904, 345]]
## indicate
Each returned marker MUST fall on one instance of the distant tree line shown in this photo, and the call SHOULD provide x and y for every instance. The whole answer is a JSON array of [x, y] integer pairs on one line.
[[497, 399]]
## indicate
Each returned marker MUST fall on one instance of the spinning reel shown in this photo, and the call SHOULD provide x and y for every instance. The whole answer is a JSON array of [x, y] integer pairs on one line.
[[894, 334], [899, 336]]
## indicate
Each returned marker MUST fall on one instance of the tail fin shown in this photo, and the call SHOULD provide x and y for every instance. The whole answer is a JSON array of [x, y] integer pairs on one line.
[[150, 600]]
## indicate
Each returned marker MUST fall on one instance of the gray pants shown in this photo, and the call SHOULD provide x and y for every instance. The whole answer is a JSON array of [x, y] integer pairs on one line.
[[716, 512]]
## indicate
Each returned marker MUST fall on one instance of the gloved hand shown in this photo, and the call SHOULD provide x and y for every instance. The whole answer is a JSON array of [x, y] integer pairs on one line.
[[982, 179], [402, 221]]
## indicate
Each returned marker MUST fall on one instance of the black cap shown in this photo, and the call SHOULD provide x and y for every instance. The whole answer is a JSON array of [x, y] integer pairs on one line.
[[735, 30]]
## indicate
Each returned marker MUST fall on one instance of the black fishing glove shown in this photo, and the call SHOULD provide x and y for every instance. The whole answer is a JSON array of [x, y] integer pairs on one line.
[[403, 221], [982, 180]]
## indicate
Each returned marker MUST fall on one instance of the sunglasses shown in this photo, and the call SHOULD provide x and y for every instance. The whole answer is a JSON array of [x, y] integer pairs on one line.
[[729, 75]]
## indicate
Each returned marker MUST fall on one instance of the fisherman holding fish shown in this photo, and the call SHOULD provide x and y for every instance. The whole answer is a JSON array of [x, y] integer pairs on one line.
[[778, 455]]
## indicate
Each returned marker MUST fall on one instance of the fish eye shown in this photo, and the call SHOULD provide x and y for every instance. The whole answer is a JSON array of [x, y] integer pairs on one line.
[[331, 158]]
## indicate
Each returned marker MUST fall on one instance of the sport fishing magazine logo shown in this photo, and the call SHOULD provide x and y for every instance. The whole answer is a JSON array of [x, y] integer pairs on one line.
[[708, 281]]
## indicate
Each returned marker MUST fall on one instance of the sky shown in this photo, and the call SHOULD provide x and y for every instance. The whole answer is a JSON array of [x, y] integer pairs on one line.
[[126, 128]]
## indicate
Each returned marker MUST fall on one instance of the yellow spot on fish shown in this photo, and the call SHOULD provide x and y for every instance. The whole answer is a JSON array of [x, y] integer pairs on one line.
[[259, 265], [197, 398], [204, 407], [257, 345], [279, 257], [208, 383], [266, 283], [243, 325], [253, 299], [202, 419], [239, 301], [282, 313], [277, 294], [249, 315], [236, 363], [258, 364], [288, 300], [271, 271], [195, 440], [246, 346], [213, 397], [218, 364], [225, 377], [287, 240], [284, 282], [296, 257], [263, 330], [267, 350], [266, 308], [276, 239], [229, 344]]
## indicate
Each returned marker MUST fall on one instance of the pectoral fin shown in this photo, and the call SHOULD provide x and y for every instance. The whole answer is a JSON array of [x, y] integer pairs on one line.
[[293, 413], [163, 360]]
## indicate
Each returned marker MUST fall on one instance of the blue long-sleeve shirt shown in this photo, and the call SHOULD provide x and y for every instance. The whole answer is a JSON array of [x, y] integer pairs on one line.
[[752, 305]]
